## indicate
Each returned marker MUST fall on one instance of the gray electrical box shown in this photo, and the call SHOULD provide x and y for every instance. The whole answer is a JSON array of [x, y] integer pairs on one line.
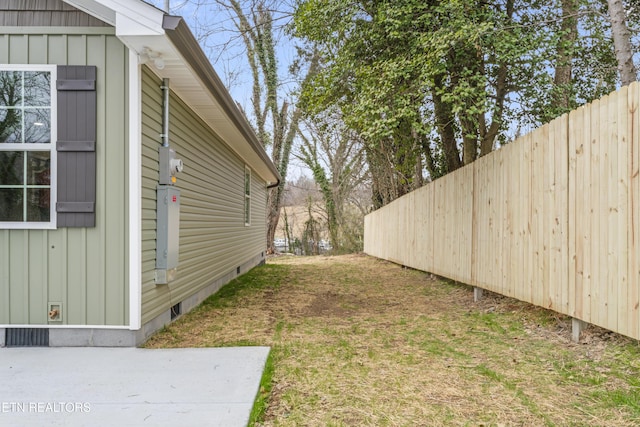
[[168, 232]]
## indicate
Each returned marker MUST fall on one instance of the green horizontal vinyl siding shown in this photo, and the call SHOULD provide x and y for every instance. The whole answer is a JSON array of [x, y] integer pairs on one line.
[[213, 237], [83, 268]]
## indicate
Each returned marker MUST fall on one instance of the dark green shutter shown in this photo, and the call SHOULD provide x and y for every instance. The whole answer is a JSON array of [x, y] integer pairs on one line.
[[76, 146]]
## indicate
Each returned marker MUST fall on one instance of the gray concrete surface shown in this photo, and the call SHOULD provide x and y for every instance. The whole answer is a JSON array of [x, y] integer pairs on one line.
[[129, 386]]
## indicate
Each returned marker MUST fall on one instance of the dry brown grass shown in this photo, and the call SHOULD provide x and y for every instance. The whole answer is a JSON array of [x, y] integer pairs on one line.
[[360, 341]]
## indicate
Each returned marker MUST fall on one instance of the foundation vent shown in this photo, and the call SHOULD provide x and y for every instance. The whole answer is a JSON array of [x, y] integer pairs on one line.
[[176, 311], [27, 337]]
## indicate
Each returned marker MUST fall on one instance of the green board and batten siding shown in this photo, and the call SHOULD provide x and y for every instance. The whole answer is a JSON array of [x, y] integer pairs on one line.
[[83, 268], [214, 240]]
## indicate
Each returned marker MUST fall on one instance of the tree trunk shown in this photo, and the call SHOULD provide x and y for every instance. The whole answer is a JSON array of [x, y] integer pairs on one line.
[[622, 42], [469, 141], [418, 180], [464, 60], [562, 95], [488, 135], [273, 217], [445, 120]]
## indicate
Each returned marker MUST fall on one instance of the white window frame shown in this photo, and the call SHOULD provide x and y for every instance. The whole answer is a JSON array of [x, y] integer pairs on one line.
[[51, 147], [246, 210]]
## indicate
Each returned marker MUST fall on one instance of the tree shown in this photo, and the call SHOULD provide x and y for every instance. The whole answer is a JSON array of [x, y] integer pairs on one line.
[[335, 156], [276, 119], [434, 85], [562, 96], [422, 82], [579, 42], [426, 86], [622, 42]]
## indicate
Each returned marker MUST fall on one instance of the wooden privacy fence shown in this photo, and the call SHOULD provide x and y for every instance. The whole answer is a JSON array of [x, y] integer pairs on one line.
[[552, 218]]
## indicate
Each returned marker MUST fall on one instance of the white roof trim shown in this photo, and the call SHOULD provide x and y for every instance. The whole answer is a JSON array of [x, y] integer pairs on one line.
[[145, 15], [95, 9]]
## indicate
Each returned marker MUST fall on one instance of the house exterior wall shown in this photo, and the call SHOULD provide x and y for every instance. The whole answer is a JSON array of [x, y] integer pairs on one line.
[[214, 241], [44, 13], [85, 269]]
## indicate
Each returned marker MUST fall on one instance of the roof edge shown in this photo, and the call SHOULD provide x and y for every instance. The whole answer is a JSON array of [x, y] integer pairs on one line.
[[178, 32]]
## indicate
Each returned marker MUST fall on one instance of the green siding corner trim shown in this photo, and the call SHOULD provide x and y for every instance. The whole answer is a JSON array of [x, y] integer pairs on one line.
[[213, 237], [84, 269]]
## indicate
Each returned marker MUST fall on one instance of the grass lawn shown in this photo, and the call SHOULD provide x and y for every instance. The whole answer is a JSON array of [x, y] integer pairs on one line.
[[357, 341]]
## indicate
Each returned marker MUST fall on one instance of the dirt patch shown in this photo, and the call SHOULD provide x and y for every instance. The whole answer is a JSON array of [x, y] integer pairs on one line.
[[360, 341], [332, 304]]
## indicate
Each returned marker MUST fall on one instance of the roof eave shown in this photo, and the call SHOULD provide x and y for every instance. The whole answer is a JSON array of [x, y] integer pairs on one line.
[[181, 37]]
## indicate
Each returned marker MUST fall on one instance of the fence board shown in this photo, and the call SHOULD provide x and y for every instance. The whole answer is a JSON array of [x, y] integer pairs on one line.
[[561, 202], [604, 216], [540, 138], [633, 210], [595, 211], [564, 213], [552, 218], [586, 214], [547, 212], [576, 201], [524, 291], [609, 154], [619, 310], [509, 184], [572, 291], [504, 244]]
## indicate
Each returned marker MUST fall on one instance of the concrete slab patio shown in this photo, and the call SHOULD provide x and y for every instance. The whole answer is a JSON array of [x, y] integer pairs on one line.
[[129, 386]]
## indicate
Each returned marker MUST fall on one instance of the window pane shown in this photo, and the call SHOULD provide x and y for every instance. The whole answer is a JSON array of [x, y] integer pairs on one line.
[[37, 125], [11, 204], [38, 204], [247, 182], [10, 88], [37, 85], [10, 125], [38, 172], [25, 117], [247, 210], [11, 167]]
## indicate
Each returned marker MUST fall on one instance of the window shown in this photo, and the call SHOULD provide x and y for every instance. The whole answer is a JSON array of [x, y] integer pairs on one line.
[[27, 146], [247, 196]]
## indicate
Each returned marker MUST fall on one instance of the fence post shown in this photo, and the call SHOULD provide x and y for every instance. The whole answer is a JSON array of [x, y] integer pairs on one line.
[[577, 326], [477, 294]]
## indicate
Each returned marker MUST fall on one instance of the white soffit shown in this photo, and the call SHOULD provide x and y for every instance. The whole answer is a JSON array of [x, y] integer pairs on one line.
[[145, 16]]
